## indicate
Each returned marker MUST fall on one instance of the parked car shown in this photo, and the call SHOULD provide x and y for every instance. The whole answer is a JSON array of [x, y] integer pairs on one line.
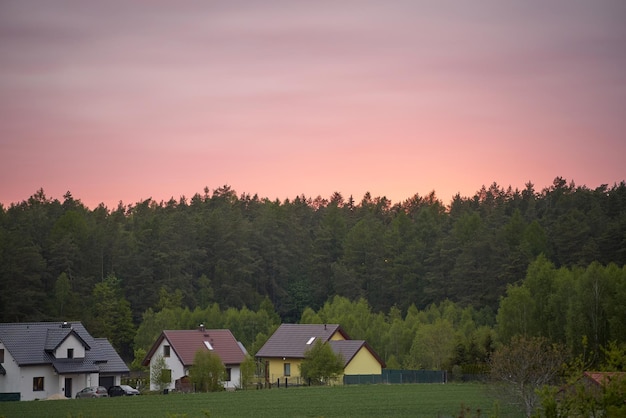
[[93, 392], [122, 390]]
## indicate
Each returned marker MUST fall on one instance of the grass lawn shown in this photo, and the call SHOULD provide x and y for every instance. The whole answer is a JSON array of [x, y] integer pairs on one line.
[[410, 400]]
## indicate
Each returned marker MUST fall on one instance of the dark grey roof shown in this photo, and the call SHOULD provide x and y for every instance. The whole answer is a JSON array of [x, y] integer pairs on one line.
[[32, 343], [290, 340], [55, 336], [107, 358], [349, 348], [74, 365]]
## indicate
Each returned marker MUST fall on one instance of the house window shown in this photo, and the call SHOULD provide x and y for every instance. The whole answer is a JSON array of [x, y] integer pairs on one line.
[[228, 374], [1, 355], [37, 384], [70, 353], [166, 351], [287, 369]]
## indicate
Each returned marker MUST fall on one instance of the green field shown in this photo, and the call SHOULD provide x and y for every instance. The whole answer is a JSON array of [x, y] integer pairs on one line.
[[417, 400]]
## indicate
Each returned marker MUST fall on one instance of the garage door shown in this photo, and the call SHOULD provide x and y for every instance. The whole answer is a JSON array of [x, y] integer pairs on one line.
[[107, 381]]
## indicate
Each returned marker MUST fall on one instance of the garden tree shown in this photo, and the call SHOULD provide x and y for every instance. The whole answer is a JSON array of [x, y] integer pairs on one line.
[[522, 367], [320, 364], [111, 317], [160, 375], [579, 398], [208, 372], [248, 369]]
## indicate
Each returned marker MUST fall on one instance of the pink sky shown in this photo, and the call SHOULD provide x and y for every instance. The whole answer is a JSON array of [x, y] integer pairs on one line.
[[118, 100]]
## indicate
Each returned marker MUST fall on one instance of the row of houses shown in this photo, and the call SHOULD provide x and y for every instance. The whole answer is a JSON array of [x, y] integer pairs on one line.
[[38, 360]]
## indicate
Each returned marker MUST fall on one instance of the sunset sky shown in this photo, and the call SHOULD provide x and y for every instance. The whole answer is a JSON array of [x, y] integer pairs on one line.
[[126, 100]]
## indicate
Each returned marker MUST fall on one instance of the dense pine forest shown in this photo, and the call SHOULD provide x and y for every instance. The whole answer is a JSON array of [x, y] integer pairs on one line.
[[461, 275]]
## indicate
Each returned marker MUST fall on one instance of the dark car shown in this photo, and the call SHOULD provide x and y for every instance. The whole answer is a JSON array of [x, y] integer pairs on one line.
[[93, 392], [122, 390]]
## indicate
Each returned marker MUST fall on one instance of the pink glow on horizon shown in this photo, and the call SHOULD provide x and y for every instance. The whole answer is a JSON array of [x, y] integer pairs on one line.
[[117, 101]]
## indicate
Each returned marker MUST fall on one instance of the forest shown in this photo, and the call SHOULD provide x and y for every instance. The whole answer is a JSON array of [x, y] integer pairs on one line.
[[428, 284]]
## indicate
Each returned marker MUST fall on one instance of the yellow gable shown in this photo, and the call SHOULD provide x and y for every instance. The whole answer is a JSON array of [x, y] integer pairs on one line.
[[363, 363]]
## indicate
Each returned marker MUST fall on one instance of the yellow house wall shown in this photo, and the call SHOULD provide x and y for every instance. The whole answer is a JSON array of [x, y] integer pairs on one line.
[[277, 368], [337, 337], [363, 363]]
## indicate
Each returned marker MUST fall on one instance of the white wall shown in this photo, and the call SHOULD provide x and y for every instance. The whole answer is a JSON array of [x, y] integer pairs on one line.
[[9, 382], [79, 381], [172, 362], [70, 342], [50, 382], [178, 370], [235, 378]]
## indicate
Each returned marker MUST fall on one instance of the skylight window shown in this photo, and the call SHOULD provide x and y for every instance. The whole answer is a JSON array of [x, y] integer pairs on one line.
[[310, 341], [208, 345]]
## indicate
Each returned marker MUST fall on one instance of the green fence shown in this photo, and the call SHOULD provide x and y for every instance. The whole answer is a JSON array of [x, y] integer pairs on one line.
[[9, 396], [397, 377]]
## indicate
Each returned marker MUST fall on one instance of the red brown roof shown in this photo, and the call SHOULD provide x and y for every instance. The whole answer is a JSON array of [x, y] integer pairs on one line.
[[601, 378], [185, 344]]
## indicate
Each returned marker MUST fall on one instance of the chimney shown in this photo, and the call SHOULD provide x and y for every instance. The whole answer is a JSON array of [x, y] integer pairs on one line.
[[201, 329]]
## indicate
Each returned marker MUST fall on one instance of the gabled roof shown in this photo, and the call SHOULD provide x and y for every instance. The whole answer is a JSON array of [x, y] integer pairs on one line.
[[349, 348], [107, 358], [293, 340], [32, 343], [185, 344], [56, 336], [601, 378]]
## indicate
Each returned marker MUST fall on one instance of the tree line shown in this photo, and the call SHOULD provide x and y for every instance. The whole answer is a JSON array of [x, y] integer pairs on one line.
[[219, 252]]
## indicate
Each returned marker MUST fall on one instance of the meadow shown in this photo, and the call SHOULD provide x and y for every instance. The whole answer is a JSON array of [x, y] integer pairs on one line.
[[409, 400]]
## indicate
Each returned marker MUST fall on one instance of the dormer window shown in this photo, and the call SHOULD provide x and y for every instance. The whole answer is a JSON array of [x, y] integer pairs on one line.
[[70, 353]]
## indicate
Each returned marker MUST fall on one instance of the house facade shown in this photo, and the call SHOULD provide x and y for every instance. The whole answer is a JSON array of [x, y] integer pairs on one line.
[[179, 347], [284, 351], [40, 359]]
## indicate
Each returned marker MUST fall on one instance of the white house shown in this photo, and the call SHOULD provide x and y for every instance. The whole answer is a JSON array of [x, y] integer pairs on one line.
[[40, 359], [178, 348]]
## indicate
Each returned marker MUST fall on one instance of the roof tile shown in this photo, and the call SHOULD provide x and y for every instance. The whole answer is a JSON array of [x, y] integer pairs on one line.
[[290, 340]]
